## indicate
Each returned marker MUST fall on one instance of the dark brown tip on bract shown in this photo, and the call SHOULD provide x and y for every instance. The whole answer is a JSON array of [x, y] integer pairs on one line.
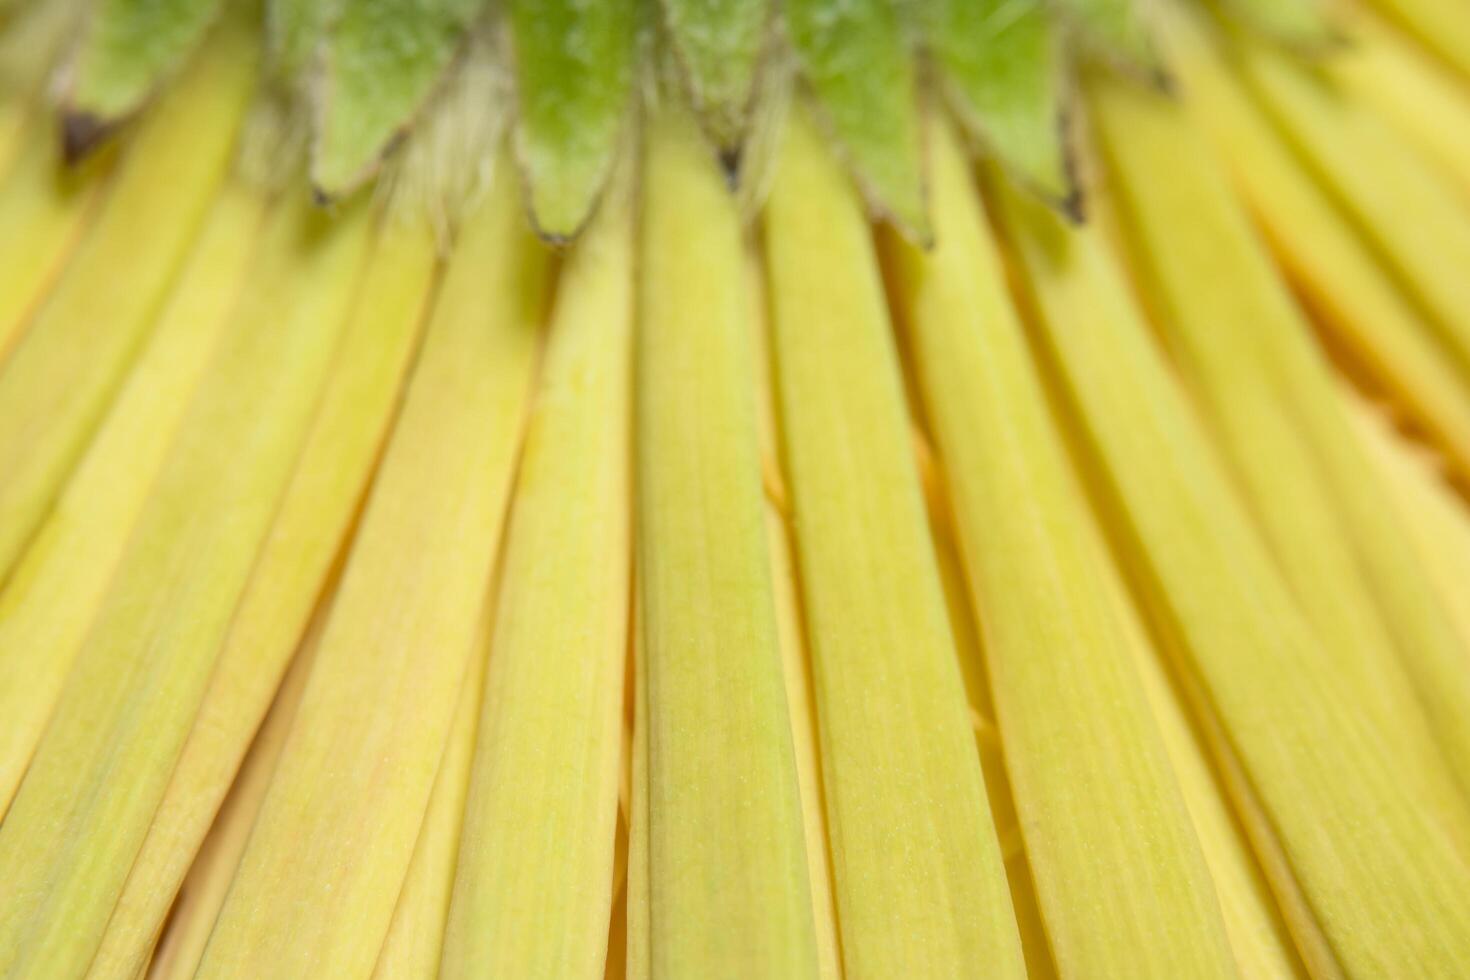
[[82, 133], [320, 197], [1163, 80], [1074, 206], [556, 239], [730, 159]]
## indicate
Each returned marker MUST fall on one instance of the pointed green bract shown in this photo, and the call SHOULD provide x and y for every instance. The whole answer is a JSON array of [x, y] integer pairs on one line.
[[294, 28], [719, 43], [1115, 30], [1302, 23], [855, 56], [573, 68], [130, 48], [1000, 71], [383, 58]]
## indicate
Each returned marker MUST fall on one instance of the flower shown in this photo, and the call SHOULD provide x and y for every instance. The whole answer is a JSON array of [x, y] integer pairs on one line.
[[710, 488]]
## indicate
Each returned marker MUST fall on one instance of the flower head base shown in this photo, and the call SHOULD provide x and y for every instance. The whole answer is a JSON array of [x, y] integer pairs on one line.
[[365, 72]]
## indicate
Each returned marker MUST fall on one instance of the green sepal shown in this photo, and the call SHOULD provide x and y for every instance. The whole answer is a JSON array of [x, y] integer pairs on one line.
[[999, 67], [129, 48], [1299, 23], [573, 73], [718, 43], [855, 57], [383, 60], [294, 29], [1116, 32]]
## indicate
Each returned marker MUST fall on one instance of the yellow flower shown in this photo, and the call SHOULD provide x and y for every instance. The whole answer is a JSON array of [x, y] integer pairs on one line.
[[734, 488]]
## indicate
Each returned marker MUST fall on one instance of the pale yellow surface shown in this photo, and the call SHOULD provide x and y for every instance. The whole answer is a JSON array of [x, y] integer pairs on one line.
[[1248, 354], [52, 596], [339, 824], [727, 892], [1318, 245], [56, 385], [391, 291], [1439, 25], [44, 207], [415, 940], [534, 886], [1427, 103], [1415, 217], [918, 878], [1258, 933], [1122, 885], [795, 657], [1035, 946], [1368, 874], [125, 712], [1437, 516], [176, 955]]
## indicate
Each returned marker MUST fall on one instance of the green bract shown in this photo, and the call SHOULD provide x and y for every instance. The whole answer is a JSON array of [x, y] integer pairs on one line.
[[1115, 31], [573, 69], [856, 60], [356, 75], [130, 47], [294, 28], [1301, 22], [383, 58], [719, 42], [998, 63]]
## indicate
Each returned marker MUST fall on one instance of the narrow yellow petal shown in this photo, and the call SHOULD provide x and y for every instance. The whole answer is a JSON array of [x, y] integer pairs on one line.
[[306, 537], [53, 594], [1415, 218], [1369, 876], [727, 871], [56, 385], [1122, 884], [1035, 944], [805, 738], [1249, 355], [105, 759], [795, 657], [44, 206], [533, 890], [1439, 26], [1437, 517], [1362, 306], [1258, 933], [1428, 104], [416, 936], [918, 876], [339, 824], [176, 956]]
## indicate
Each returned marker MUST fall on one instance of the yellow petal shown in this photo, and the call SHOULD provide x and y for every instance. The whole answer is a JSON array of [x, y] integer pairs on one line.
[[358, 770]]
